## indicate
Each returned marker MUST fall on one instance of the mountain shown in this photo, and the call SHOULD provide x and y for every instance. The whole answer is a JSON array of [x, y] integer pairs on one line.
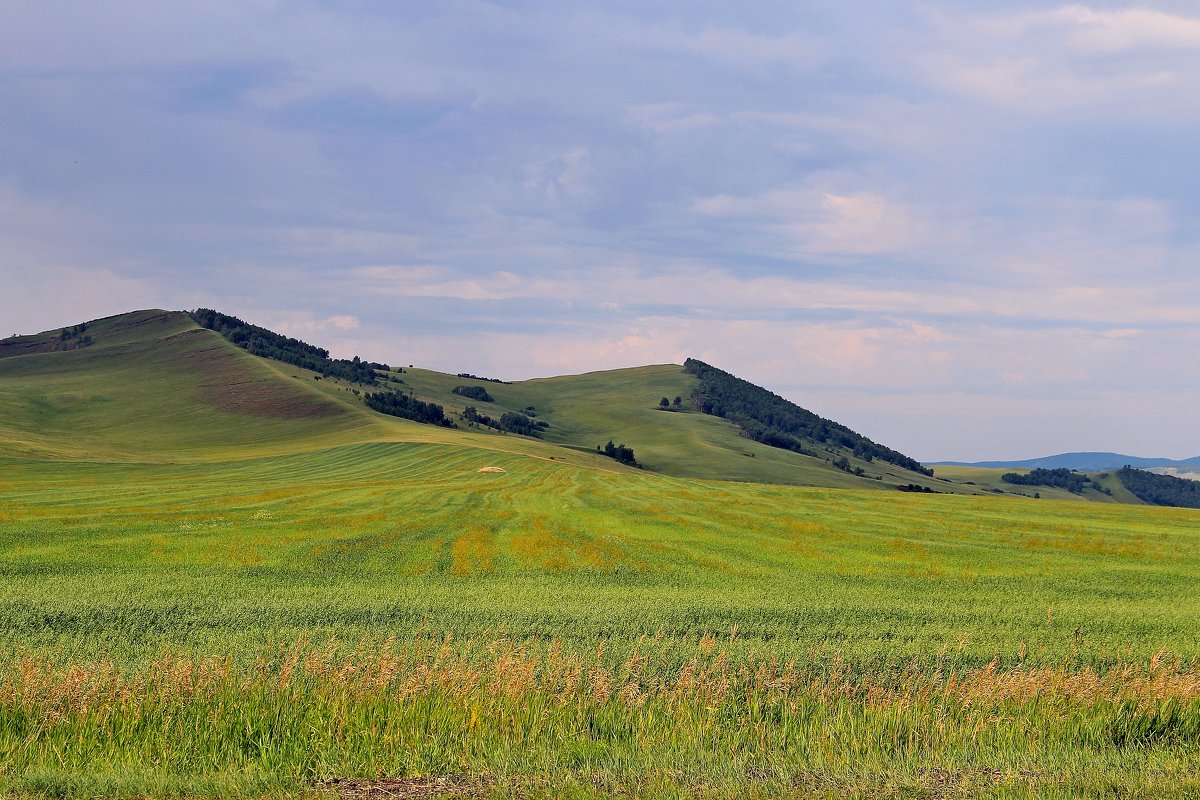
[[1084, 462], [171, 386]]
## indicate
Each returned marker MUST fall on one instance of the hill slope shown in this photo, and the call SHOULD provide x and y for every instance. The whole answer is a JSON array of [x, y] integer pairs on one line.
[[583, 411], [1083, 462], [155, 385]]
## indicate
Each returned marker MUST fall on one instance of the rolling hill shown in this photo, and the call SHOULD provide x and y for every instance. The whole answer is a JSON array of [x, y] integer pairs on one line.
[[156, 386], [160, 386], [1084, 462]]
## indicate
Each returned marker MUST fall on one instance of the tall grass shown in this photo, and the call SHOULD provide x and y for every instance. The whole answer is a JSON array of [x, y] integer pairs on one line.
[[517, 715]]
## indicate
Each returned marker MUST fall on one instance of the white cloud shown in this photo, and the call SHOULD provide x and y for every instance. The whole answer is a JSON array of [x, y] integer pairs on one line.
[[1124, 29], [813, 221], [1069, 58]]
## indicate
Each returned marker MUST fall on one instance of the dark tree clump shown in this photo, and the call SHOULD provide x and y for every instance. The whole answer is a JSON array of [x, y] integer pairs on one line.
[[399, 404], [473, 392], [843, 463], [516, 422], [766, 417], [268, 344], [1160, 490], [74, 337], [620, 452], [1063, 478], [475, 419], [477, 378]]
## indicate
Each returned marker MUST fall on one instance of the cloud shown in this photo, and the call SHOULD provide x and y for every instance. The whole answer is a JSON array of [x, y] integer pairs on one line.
[[821, 222], [1071, 57], [1090, 29]]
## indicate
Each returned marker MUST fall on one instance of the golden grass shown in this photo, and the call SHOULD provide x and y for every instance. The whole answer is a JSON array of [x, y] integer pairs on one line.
[[516, 670]]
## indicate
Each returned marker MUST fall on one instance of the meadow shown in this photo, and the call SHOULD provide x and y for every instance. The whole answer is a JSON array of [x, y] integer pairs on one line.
[[263, 626]]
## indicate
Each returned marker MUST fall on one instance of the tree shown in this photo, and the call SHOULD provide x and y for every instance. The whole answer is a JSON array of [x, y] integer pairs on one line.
[[767, 418], [473, 392], [664, 403], [678, 402], [620, 452]]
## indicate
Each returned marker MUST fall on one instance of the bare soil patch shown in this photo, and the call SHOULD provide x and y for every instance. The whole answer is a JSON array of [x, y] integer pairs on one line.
[[403, 788]]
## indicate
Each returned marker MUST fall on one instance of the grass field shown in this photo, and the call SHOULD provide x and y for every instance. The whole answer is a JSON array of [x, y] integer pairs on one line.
[[110, 569], [272, 600]]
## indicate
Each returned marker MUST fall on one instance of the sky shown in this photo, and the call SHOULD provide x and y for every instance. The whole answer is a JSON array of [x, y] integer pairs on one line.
[[967, 230]]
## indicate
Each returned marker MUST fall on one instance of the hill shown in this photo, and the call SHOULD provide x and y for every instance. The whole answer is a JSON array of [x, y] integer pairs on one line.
[[172, 386], [1083, 462], [152, 385]]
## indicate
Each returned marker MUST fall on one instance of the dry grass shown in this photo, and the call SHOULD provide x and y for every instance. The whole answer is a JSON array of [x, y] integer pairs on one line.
[[412, 718], [514, 671]]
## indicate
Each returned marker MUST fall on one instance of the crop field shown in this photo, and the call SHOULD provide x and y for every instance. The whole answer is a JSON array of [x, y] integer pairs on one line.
[[301, 622]]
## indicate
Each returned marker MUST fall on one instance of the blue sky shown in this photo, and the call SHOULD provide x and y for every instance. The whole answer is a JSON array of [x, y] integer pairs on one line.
[[969, 230]]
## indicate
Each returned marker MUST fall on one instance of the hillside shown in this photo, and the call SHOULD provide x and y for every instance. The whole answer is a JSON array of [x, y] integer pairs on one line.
[[153, 385], [156, 385], [1083, 462]]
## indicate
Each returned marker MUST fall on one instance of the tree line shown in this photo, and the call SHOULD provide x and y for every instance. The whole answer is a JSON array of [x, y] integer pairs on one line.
[[477, 378], [768, 418], [509, 422], [1160, 490], [399, 404], [268, 344], [1061, 477]]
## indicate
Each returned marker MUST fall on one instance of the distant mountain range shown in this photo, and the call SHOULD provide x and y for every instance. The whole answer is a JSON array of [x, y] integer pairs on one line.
[[1084, 462]]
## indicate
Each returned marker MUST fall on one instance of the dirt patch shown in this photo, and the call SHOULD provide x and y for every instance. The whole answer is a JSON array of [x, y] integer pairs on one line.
[[403, 788], [240, 386], [490, 469]]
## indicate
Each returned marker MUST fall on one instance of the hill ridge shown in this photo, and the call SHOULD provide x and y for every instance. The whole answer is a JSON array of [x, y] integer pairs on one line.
[[1085, 461], [176, 384]]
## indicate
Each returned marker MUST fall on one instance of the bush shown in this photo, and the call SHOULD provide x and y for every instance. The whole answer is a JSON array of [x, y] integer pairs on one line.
[[515, 422], [473, 392], [620, 452]]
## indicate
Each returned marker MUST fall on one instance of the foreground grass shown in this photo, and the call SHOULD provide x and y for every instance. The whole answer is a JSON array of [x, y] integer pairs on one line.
[[560, 631], [531, 718]]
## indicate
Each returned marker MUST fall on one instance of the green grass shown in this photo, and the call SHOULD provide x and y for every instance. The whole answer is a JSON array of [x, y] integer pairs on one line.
[[120, 564], [587, 410], [396, 537], [251, 597]]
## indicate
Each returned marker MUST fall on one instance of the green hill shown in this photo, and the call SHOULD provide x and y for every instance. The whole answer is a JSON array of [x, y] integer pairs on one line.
[[152, 385], [587, 410], [155, 385]]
